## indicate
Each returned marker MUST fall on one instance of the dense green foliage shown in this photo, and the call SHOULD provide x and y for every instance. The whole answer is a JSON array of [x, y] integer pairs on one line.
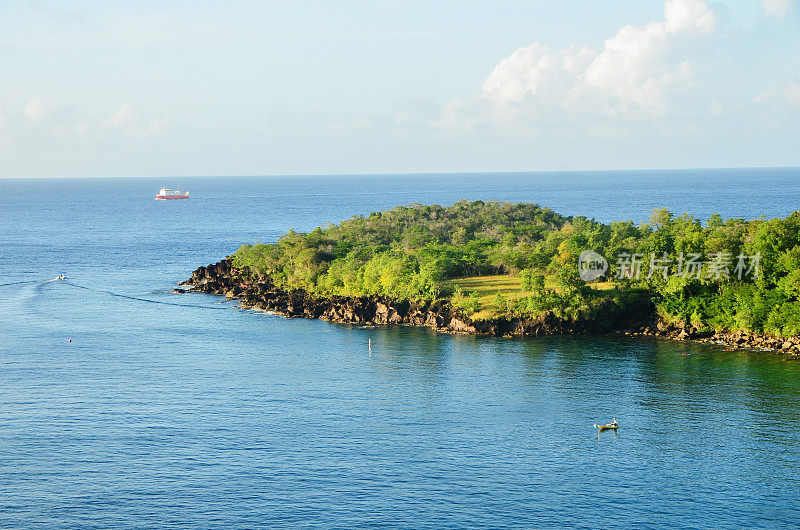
[[408, 251], [726, 274]]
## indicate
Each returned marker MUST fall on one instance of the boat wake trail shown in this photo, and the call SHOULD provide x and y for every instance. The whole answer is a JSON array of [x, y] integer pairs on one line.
[[40, 282], [129, 297], [22, 283]]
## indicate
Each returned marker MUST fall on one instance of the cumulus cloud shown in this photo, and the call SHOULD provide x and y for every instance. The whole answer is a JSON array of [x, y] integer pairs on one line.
[[634, 71], [126, 116], [686, 15], [48, 110], [776, 8], [782, 97], [538, 71], [157, 126], [131, 121], [51, 113], [35, 109], [791, 93]]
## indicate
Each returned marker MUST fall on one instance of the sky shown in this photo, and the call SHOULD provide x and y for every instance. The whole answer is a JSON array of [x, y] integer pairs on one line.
[[238, 87]]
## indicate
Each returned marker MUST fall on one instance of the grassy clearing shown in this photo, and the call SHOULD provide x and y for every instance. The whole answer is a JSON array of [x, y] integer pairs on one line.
[[485, 289]]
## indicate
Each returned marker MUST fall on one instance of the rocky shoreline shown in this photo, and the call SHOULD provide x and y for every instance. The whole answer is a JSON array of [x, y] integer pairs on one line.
[[259, 292], [737, 340]]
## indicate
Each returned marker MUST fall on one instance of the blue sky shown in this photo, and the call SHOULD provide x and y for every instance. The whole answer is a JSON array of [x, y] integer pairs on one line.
[[296, 87]]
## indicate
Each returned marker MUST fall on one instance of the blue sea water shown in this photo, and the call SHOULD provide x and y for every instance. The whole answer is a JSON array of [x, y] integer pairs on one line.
[[181, 410]]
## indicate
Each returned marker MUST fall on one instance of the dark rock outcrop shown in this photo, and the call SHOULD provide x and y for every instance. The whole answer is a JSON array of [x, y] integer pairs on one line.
[[736, 340]]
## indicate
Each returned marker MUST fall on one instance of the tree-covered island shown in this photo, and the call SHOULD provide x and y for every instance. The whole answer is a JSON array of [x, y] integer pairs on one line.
[[504, 268]]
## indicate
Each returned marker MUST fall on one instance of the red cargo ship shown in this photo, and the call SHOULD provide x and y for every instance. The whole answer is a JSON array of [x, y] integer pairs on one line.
[[167, 194]]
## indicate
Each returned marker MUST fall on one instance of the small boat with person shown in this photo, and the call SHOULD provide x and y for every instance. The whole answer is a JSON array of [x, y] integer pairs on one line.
[[613, 426]]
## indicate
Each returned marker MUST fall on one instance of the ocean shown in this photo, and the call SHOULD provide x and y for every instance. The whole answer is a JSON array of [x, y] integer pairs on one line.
[[124, 405]]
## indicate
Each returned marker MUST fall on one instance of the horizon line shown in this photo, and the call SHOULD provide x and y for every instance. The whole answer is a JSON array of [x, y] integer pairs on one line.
[[405, 173]]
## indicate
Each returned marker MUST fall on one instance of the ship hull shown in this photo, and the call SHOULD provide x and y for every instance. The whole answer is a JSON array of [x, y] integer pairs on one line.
[[170, 197]]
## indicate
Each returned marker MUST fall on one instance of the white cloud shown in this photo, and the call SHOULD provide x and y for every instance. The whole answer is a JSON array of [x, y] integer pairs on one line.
[[48, 110], [131, 121], [781, 98], [791, 94], [633, 72], [157, 126], [537, 71], [688, 15], [127, 116], [50, 113], [35, 109], [776, 8]]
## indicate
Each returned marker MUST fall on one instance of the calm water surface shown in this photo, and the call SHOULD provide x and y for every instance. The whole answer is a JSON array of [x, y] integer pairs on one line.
[[170, 410]]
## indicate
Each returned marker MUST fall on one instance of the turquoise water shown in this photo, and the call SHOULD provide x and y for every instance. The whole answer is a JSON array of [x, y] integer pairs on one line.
[[170, 410]]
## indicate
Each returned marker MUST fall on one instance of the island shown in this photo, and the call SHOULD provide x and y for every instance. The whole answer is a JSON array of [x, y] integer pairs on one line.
[[519, 269]]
